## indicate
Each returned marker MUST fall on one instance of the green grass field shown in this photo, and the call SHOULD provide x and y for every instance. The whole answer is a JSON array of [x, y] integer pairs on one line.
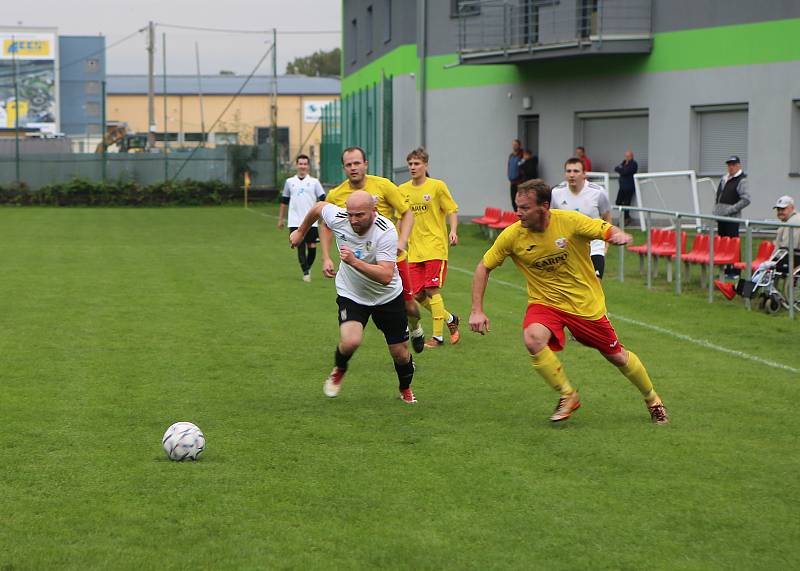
[[115, 323]]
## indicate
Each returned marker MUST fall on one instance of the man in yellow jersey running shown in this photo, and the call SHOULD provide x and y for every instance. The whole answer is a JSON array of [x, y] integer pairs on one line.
[[430, 201], [551, 249], [390, 203]]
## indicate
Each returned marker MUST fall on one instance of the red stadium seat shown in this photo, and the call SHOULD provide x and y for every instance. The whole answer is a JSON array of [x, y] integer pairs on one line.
[[490, 216], [656, 237], [764, 253], [728, 253], [667, 247], [506, 220], [699, 248]]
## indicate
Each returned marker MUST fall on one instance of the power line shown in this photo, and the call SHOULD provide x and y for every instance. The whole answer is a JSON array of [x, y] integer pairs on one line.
[[258, 32], [235, 96]]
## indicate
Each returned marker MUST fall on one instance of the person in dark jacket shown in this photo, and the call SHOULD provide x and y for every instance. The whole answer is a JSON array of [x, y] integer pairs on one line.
[[731, 198], [529, 165], [626, 169], [514, 172]]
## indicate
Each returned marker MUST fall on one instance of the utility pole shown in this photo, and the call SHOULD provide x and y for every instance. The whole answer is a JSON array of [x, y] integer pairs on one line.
[[16, 106], [151, 85], [164, 129], [200, 93], [274, 109]]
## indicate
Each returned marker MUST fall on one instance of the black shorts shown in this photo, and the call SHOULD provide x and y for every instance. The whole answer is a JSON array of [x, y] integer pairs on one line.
[[312, 236], [390, 317]]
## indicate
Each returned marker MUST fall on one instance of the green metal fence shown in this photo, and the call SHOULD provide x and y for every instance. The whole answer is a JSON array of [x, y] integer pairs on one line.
[[225, 164], [364, 119]]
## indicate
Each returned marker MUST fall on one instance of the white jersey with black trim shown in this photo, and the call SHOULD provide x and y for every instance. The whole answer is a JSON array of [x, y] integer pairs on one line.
[[302, 193], [378, 244], [592, 201]]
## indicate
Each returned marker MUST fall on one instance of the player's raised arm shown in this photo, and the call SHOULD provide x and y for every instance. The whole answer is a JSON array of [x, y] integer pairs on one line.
[[297, 236], [478, 320]]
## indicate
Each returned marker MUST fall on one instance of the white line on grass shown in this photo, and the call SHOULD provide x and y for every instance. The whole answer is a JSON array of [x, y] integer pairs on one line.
[[642, 324], [681, 336]]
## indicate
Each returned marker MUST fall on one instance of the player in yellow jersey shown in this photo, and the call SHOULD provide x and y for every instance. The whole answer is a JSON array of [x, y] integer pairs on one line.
[[551, 249], [431, 202], [390, 203]]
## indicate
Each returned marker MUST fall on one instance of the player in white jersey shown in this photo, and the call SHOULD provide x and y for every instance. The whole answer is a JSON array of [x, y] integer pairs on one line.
[[300, 193], [577, 193], [367, 284]]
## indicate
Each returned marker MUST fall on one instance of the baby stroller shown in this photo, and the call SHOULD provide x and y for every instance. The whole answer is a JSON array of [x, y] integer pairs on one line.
[[763, 284]]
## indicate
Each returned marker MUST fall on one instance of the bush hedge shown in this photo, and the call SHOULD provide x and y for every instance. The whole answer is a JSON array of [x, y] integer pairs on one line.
[[79, 192]]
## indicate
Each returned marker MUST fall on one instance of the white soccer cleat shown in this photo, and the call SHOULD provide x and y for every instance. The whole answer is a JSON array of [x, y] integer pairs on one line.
[[333, 384]]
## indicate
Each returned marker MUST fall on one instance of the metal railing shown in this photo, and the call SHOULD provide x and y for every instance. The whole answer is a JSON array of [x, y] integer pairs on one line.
[[503, 25], [677, 219]]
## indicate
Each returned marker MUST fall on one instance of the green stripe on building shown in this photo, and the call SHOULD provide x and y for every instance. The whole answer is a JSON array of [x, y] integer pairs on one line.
[[746, 44]]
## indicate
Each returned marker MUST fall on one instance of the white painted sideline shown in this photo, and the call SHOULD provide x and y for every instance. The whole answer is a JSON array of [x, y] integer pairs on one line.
[[681, 336], [656, 328]]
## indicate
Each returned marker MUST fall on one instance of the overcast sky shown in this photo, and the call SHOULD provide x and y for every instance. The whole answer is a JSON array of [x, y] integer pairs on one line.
[[236, 52]]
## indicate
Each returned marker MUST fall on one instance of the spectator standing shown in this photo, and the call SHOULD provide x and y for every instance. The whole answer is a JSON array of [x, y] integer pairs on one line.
[[626, 169], [731, 198], [513, 169], [580, 152], [529, 165]]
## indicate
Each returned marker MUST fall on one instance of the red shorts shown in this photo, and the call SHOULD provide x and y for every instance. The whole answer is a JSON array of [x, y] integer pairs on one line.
[[596, 333], [428, 274], [405, 277]]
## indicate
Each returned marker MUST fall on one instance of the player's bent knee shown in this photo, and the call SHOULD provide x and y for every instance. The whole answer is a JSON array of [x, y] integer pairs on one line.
[[619, 359], [536, 337], [399, 352]]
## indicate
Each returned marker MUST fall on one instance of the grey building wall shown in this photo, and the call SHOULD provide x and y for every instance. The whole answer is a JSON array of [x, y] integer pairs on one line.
[[471, 153], [83, 69], [371, 46], [469, 130]]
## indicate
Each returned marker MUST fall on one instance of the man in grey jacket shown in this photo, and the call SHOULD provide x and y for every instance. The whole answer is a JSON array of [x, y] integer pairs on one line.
[[732, 197]]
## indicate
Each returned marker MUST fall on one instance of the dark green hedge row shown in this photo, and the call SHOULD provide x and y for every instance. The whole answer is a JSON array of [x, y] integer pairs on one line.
[[79, 192]]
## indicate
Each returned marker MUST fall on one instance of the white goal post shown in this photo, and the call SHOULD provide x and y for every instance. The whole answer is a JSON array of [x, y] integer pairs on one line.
[[675, 191]]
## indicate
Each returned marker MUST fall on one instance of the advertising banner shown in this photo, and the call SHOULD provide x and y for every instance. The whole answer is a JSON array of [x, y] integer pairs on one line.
[[29, 61]]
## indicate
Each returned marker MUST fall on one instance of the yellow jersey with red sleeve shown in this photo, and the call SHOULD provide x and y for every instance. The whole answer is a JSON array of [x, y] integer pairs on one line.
[[430, 202], [556, 262]]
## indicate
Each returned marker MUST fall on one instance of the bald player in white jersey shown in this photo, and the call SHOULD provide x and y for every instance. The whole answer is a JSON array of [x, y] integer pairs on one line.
[[577, 193], [367, 285]]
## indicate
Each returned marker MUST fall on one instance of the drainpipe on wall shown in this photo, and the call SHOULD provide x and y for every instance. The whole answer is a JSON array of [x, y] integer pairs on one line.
[[422, 10]]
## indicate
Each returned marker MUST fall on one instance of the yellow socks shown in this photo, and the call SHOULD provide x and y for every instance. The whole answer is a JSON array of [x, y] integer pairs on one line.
[[438, 312], [637, 374], [549, 367]]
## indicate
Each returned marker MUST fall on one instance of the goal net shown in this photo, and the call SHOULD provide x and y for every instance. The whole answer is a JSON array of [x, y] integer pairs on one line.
[[675, 191]]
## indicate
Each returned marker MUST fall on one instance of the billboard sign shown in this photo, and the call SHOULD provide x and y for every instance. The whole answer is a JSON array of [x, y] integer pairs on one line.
[[312, 110], [29, 61]]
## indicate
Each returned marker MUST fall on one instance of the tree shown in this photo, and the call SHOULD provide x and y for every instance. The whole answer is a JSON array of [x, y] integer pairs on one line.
[[318, 63]]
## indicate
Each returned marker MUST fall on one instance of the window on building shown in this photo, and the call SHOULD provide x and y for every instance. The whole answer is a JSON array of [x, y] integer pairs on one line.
[[92, 65], [92, 109], [368, 30], [607, 135], [94, 128], [195, 137], [387, 21], [354, 40], [170, 136], [794, 161], [721, 132], [226, 138], [464, 8], [264, 135], [92, 88]]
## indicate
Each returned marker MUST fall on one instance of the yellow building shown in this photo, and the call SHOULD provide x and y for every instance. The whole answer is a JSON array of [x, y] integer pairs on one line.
[[245, 120]]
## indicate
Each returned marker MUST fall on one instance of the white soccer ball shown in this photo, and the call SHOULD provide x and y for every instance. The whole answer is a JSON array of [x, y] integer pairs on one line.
[[183, 441]]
